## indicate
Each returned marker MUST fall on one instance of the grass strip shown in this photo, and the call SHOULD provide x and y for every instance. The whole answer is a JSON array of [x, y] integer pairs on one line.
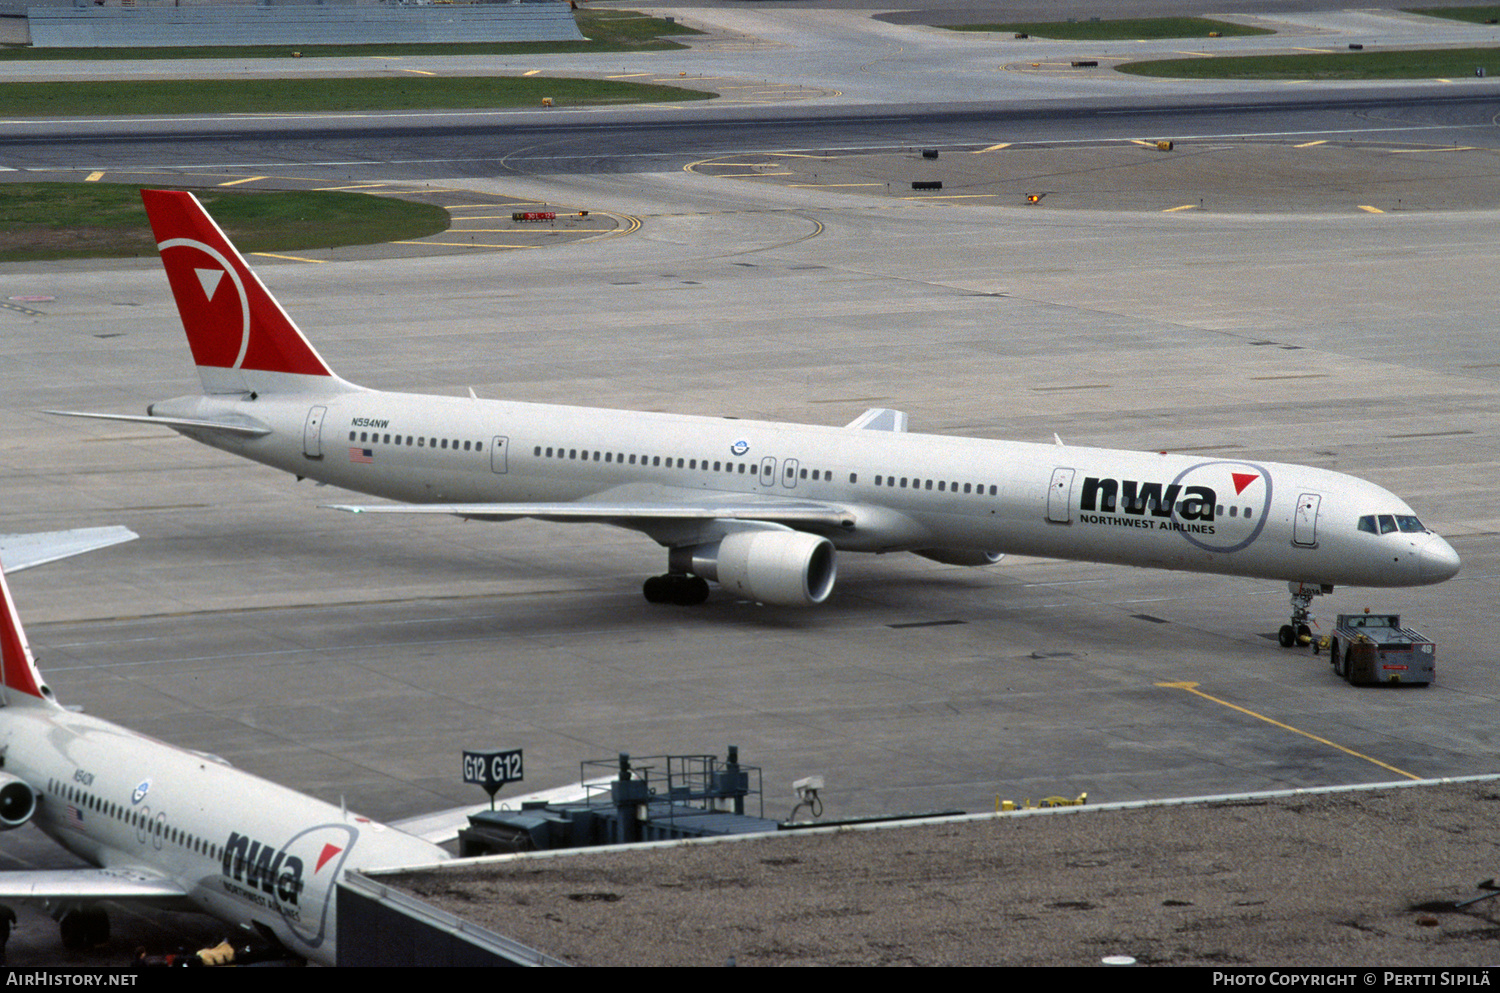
[[1130, 29], [321, 95], [1353, 65], [603, 31], [1474, 15], [97, 220]]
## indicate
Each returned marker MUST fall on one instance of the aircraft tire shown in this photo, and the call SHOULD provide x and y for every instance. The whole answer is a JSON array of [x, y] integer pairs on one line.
[[1287, 636], [657, 589], [73, 929], [689, 591], [96, 926]]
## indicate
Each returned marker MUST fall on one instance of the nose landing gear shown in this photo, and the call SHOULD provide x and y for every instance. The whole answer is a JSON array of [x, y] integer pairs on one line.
[[1299, 632]]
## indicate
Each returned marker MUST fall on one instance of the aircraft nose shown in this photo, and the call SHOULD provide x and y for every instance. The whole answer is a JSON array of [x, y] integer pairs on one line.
[[1437, 561]]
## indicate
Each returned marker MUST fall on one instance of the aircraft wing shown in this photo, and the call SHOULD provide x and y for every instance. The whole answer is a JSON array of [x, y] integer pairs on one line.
[[826, 515], [442, 826], [87, 884], [880, 419], [638, 507], [22, 551]]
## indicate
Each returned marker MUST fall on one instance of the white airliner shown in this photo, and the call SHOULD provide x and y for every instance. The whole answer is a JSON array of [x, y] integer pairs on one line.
[[758, 507], [169, 826]]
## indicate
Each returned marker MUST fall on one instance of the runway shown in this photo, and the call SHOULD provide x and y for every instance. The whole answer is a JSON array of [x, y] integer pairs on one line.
[[355, 658]]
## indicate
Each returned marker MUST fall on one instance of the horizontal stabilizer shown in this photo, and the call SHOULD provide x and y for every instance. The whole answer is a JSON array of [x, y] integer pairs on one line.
[[22, 551], [246, 429], [87, 884], [880, 419]]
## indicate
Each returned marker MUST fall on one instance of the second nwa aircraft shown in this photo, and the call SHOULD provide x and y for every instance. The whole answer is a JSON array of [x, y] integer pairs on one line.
[[758, 507]]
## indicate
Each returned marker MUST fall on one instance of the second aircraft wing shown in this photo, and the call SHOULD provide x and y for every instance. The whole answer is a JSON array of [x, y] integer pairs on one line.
[[88, 884]]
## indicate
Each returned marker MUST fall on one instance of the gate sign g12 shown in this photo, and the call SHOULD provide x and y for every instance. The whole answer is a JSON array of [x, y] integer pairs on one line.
[[493, 770]]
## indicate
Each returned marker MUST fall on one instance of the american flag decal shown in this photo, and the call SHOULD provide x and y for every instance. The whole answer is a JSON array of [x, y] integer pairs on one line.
[[362, 455], [74, 815]]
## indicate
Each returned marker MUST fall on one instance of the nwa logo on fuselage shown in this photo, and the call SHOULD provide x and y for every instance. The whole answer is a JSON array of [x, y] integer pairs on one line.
[[1188, 505], [1127, 496], [262, 867]]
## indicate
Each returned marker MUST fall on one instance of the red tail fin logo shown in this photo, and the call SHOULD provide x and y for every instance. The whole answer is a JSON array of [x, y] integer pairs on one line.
[[231, 319], [17, 668]]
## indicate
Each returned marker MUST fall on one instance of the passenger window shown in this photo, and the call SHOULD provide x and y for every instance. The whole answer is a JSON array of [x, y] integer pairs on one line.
[[420, 442], [351, 436], [853, 477]]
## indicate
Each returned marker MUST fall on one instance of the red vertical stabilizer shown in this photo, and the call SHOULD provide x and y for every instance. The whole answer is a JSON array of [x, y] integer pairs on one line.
[[17, 668], [231, 319]]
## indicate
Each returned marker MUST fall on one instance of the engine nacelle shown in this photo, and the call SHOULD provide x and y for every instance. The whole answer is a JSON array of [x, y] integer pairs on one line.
[[789, 568], [17, 801], [960, 556]]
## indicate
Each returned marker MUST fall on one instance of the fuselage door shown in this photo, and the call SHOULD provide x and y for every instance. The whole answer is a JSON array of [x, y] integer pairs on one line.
[[1305, 523], [1060, 497], [789, 474], [498, 447], [768, 471], [312, 433]]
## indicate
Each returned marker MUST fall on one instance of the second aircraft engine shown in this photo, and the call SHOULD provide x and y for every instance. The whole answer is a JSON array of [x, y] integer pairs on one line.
[[17, 801]]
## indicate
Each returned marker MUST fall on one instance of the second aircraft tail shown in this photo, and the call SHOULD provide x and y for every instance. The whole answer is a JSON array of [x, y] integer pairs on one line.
[[242, 340]]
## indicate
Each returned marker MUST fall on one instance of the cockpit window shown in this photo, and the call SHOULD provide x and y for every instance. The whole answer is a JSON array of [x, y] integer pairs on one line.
[[1389, 523]]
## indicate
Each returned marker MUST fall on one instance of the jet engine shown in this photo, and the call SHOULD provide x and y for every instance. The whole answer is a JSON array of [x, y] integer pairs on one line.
[[17, 801], [960, 556], [789, 568]]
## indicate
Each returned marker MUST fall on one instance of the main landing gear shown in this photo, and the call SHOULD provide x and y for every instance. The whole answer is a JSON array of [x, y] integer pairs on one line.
[[83, 927], [1299, 632], [675, 587]]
